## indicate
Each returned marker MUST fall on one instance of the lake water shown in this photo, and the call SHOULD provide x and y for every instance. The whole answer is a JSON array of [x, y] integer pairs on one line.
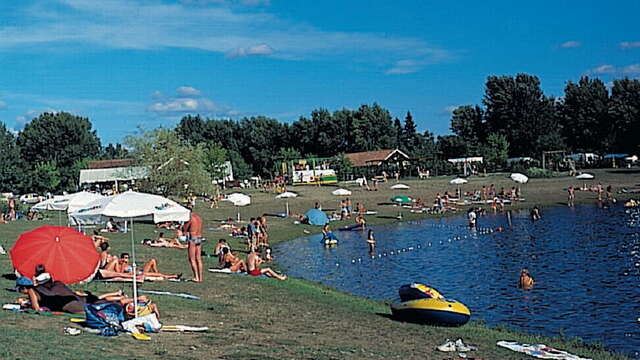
[[585, 260]]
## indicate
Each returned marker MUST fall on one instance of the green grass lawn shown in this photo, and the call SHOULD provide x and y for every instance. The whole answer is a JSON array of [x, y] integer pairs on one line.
[[256, 318]]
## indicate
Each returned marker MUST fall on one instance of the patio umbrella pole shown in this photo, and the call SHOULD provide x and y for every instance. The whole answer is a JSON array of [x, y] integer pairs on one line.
[[287, 203], [135, 274]]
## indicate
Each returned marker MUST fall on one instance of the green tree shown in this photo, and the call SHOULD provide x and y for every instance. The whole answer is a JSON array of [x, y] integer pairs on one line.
[[517, 108], [624, 111], [342, 166], [451, 146], [214, 158], [495, 152], [223, 132], [584, 115], [116, 151], [373, 129], [261, 138], [60, 139], [176, 167], [397, 125], [410, 137], [241, 170], [467, 122], [191, 129], [44, 177], [10, 162]]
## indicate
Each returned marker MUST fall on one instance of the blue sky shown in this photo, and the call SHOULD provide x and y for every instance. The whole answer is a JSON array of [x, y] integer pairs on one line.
[[130, 63]]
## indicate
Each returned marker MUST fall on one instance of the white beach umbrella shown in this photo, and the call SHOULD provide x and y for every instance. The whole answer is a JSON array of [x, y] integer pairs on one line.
[[238, 199], [519, 178], [458, 181], [131, 205], [400, 187], [585, 176], [287, 195], [341, 192]]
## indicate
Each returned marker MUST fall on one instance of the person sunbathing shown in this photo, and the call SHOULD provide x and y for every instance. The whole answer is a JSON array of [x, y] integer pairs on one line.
[[222, 243], [122, 268], [253, 267], [48, 294], [161, 241], [105, 257], [232, 262]]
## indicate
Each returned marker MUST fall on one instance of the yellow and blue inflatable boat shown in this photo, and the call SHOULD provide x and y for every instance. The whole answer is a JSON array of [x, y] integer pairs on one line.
[[425, 305]]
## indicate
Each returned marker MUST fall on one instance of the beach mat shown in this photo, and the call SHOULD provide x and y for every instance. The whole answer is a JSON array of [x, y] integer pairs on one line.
[[539, 351], [183, 328]]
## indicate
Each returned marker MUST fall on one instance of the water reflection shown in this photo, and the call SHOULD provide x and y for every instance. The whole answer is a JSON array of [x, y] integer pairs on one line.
[[585, 262]]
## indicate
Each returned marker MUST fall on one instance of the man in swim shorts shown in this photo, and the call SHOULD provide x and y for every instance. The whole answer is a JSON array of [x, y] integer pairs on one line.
[[193, 230], [253, 267]]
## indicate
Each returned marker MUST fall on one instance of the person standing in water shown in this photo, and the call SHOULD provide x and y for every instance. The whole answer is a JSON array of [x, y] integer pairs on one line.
[[572, 196], [526, 281], [473, 217], [371, 241]]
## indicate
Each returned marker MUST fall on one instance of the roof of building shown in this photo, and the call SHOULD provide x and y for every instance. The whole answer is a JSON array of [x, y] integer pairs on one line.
[[90, 176], [107, 164], [369, 158]]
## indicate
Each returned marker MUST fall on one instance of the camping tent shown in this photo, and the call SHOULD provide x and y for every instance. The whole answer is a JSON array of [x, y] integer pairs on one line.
[[316, 217]]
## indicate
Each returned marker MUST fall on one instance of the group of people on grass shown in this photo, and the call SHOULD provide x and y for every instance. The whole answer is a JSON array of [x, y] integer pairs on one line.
[[44, 293]]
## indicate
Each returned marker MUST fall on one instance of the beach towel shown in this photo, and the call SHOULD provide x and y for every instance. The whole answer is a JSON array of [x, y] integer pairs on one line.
[[226, 271], [539, 351], [169, 293], [183, 328]]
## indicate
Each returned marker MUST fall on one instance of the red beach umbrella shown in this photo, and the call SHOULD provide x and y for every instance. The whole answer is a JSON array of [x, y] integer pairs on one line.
[[68, 255]]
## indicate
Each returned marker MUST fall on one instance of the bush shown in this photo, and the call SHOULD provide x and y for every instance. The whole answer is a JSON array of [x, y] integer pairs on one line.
[[540, 173]]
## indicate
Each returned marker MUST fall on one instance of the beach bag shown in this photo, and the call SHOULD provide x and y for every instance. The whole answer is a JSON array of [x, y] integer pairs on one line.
[[107, 316]]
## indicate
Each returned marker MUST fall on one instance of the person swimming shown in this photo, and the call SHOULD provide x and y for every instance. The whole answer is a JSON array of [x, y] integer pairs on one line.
[[535, 214], [526, 281]]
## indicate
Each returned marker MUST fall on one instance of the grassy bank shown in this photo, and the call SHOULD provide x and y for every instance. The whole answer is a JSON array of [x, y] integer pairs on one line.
[[268, 319]]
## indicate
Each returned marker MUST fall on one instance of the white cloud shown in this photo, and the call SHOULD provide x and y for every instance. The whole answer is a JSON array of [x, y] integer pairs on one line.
[[187, 100], [187, 91], [153, 24], [607, 69], [22, 120], [405, 67], [449, 109], [630, 45], [262, 49], [570, 44], [3, 105]]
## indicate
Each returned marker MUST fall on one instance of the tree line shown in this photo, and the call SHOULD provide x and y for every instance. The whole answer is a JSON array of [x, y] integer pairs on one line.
[[515, 118]]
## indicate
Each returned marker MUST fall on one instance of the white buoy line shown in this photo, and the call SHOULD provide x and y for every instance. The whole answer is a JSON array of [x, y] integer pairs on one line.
[[481, 231]]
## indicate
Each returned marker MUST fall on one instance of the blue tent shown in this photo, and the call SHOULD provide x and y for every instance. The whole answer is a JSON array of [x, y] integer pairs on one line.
[[316, 217]]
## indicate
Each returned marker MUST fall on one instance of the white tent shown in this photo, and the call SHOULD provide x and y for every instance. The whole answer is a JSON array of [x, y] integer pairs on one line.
[[70, 202], [57, 203], [130, 205]]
